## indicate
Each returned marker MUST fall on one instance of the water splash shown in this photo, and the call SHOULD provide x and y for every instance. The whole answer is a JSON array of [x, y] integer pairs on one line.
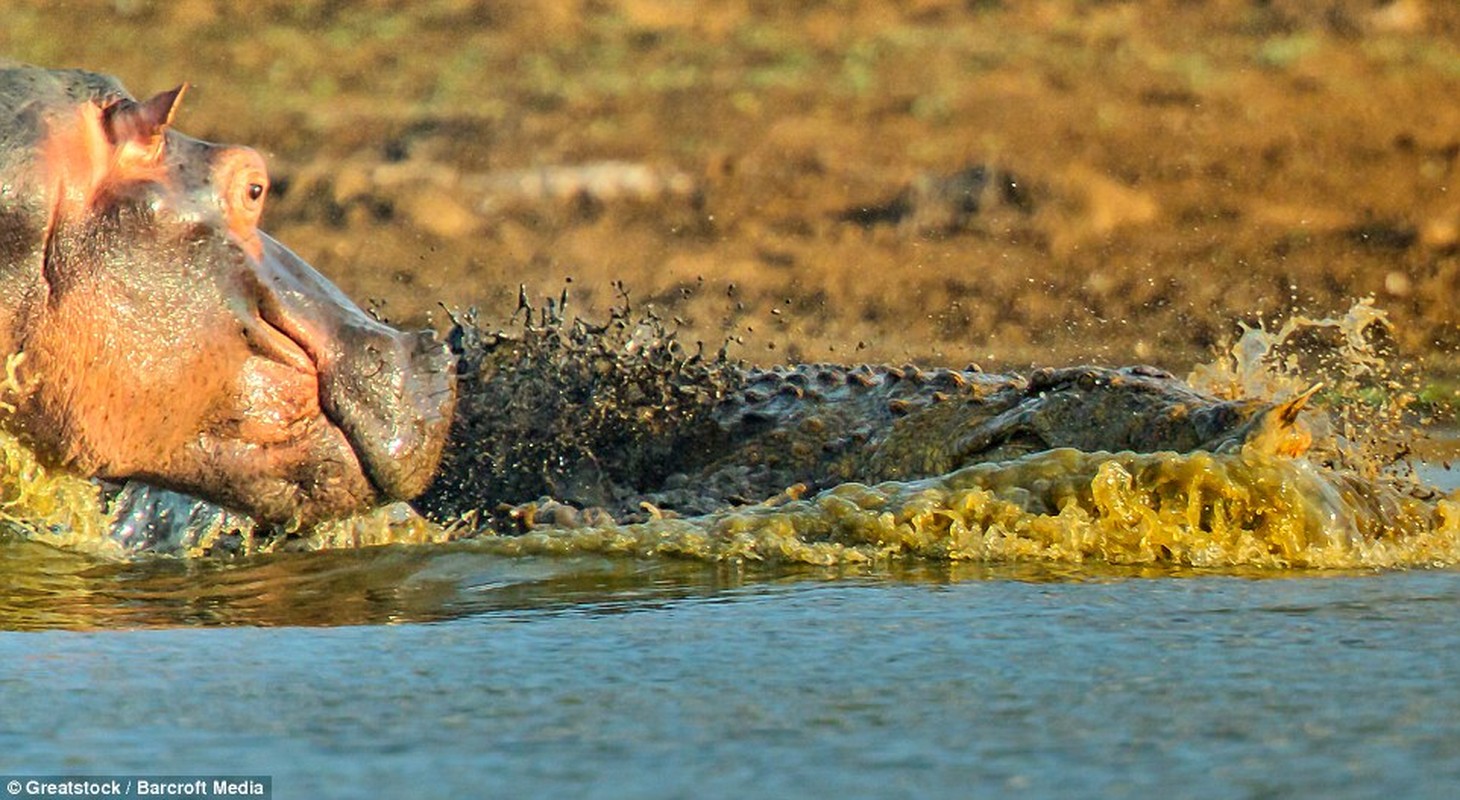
[[1350, 501], [1346, 504], [1276, 364], [1368, 392], [1242, 509], [51, 506]]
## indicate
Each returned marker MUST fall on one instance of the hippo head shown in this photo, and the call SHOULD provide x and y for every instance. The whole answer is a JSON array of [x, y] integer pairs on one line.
[[154, 332]]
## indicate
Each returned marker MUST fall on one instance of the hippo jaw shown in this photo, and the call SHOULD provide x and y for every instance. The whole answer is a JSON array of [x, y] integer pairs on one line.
[[390, 393], [167, 339], [331, 413]]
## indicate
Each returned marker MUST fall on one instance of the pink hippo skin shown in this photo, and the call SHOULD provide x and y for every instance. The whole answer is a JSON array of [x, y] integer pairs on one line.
[[161, 336]]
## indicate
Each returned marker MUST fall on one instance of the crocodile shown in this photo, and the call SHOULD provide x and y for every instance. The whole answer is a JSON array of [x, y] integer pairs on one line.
[[621, 422]]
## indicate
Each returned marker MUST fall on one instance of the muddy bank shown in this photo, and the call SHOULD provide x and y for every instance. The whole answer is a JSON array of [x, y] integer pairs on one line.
[[950, 182]]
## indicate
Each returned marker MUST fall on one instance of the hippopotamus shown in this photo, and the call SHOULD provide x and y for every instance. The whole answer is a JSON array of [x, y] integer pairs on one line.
[[152, 332]]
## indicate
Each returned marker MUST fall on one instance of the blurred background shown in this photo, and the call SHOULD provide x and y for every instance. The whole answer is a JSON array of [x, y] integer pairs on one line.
[[1008, 183]]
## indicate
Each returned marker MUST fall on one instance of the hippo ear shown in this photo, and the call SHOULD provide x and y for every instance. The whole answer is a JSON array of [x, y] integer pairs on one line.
[[130, 121]]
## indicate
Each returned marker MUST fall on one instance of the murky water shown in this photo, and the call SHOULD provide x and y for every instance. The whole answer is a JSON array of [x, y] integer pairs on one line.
[[580, 674], [622, 678], [558, 666], [1234, 624]]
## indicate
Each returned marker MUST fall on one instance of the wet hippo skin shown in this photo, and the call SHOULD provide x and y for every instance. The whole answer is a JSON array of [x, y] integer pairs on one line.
[[153, 332]]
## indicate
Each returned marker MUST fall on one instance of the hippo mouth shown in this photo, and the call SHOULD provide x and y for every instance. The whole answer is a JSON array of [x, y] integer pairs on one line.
[[390, 393]]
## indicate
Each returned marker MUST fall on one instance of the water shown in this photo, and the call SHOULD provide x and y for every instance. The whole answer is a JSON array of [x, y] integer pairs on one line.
[[613, 678], [487, 669], [1239, 624]]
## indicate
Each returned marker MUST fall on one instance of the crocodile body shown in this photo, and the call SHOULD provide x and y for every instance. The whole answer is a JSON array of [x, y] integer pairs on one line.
[[828, 422], [623, 420]]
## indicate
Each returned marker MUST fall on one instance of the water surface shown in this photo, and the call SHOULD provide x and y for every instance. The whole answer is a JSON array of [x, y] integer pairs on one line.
[[652, 680], [626, 663]]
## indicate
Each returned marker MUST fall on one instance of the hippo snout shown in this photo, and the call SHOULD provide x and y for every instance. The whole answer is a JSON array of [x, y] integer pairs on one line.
[[161, 336], [392, 394]]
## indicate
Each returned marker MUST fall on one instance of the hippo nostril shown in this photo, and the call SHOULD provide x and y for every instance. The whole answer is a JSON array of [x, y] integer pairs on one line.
[[433, 354], [390, 393]]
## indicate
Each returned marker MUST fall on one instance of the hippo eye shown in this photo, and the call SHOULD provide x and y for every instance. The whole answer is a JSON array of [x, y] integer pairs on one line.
[[248, 195], [240, 183]]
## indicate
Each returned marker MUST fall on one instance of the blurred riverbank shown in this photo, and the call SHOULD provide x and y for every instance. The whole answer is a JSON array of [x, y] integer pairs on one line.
[[1010, 184]]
